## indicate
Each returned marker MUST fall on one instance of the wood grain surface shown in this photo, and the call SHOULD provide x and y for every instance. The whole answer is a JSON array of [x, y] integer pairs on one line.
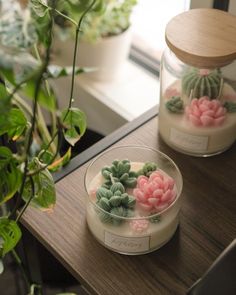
[[207, 226], [202, 37]]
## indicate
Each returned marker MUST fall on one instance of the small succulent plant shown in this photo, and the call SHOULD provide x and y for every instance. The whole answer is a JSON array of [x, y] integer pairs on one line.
[[230, 106], [115, 201], [202, 82], [175, 104], [119, 171], [147, 169], [155, 218]]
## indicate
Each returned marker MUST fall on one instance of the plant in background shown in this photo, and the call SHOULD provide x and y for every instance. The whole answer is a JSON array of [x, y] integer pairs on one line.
[[109, 18], [114, 20], [29, 149]]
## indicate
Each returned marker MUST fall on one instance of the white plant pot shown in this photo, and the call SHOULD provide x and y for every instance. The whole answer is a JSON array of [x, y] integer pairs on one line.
[[106, 56]]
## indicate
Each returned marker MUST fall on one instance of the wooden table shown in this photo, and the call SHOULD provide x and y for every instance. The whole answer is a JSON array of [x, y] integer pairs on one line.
[[207, 225]]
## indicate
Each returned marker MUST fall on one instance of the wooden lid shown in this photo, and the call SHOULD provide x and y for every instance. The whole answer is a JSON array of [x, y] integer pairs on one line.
[[204, 38]]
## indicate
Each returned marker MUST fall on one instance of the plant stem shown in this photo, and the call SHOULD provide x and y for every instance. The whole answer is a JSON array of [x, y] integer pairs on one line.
[[22, 104], [66, 17], [32, 173], [38, 83], [78, 27], [33, 121], [42, 126], [33, 287], [44, 131], [60, 13], [29, 200], [17, 87], [19, 262]]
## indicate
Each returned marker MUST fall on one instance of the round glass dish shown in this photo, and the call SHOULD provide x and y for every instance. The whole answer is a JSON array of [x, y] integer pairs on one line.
[[141, 217]]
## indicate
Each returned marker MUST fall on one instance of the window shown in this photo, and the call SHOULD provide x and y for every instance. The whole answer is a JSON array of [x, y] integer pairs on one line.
[[137, 90], [149, 20]]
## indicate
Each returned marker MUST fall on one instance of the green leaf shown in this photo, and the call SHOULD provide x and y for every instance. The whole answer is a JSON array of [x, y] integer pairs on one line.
[[44, 188], [98, 7], [41, 25], [1, 265], [45, 100], [45, 157], [72, 136], [39, 7], [5, 156], [73, 120], [55, 71], [10, 234], [17, 66], [8, 75], [230, 106], [62, 161], [10, 181], [5, 106], [101, 193], [17, 29], [16, 124], [3, 91]]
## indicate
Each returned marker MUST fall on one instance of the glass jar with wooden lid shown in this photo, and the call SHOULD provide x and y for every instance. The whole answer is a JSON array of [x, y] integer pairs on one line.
[[197, 114]]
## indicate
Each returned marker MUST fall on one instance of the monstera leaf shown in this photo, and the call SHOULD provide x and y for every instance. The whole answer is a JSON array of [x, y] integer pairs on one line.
[[10, 235]]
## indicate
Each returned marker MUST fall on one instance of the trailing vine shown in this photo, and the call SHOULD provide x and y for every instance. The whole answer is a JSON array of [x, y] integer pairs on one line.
[[25, 175]]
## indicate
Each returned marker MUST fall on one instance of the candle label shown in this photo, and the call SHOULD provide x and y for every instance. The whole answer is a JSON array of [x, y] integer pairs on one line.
[[188, 141], [124, 244]]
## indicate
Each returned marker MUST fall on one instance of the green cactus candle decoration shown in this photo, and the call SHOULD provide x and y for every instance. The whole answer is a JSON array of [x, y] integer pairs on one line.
[[115, 201], [119, 171], [202, 82]]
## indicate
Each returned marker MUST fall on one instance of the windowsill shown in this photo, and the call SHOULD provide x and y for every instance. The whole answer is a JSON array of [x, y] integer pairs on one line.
[[109, 105], [132, 93]]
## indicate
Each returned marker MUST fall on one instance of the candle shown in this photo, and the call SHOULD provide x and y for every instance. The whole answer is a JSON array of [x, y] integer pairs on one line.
[[136, 211]]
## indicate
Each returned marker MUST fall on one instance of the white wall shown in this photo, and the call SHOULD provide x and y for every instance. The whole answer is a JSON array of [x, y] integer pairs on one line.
[[232, 7], [201, 3]]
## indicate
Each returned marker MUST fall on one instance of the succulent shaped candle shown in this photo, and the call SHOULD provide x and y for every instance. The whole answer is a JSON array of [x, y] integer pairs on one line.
[[133, 206], [201, 119], [197, 113]]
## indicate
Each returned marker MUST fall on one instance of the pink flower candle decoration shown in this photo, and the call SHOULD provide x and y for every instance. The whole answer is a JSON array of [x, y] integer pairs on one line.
[[139, 226], [156, 193], [171, 91], [205, 112]]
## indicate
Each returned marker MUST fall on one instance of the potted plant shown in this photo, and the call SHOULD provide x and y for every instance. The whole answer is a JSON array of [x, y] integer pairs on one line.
[[29, 148], [105, 38]]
